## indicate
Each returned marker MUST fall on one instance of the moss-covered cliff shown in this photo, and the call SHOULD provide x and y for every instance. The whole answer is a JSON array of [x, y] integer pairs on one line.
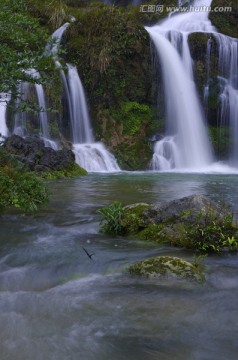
[[112, 51], [223, 18]]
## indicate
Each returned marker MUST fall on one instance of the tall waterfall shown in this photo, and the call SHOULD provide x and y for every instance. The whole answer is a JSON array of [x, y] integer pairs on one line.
[[91, 155], [186, 144]]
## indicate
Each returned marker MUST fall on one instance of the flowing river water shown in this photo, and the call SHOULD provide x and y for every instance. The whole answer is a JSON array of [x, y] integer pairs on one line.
[[57, 304]]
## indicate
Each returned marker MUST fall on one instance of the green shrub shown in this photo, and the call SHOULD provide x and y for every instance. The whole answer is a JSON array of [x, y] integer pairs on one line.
[[113, 219], [19, 188]]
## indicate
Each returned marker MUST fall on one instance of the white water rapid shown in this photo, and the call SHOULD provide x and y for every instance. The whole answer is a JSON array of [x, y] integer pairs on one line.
[[186, 144], [91, 155]]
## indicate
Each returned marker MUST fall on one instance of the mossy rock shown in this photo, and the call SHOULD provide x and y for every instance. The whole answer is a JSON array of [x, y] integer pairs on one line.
[[168, 267], [72, 172], [194, 222], [133, 219]]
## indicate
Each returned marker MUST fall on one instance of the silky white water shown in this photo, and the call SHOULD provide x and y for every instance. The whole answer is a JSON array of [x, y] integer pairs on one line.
[[80, 122], [186, 144], [170, 152], [4, 98], [228, 79], [20, 127], [91, 155]]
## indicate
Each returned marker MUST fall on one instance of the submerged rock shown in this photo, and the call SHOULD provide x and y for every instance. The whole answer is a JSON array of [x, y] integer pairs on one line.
[[167, 266]]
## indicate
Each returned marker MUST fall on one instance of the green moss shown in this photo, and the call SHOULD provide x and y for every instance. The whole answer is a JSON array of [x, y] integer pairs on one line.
[[225, 21], [166, 266], [205, 231], [132, 115], [134, 154], [72, 172], [151, 233], [133, 219], [220, 139]]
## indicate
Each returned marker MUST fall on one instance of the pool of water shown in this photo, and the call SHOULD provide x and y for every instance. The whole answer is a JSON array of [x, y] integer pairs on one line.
[[56, 303]]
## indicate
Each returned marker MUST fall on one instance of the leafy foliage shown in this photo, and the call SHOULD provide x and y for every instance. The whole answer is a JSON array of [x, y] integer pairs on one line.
[[22, 44], [133, 115], [19, 188], [113, 218], [214, 234]]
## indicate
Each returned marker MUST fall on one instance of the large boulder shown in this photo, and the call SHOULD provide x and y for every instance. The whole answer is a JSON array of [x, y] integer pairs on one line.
[[33, 153], [186, 209], [193, 222]]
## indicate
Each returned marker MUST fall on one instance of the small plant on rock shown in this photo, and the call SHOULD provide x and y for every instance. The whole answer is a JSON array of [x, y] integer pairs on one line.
[[112, 223]]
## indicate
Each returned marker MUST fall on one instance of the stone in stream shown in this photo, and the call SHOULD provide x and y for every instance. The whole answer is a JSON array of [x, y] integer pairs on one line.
[[167, 267]]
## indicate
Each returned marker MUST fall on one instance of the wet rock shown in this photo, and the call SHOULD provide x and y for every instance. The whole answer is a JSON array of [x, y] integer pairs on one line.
[[167, 267], [186, 209], [33, 153]]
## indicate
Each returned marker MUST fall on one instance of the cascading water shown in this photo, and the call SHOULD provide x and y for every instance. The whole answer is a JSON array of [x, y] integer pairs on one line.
[[4, 99], [228, 79], [91, 155], [169, 152], [20, 118], [80, 123], [186, 144]]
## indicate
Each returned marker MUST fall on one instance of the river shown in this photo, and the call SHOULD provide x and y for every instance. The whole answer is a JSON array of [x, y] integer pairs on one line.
[[58, 304]]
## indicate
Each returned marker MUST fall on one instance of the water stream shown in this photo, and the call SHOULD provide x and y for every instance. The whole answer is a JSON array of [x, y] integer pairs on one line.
[[56, 303]]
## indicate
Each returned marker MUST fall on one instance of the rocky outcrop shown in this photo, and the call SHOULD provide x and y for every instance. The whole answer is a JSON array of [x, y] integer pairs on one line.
[[185, 209], [36, 157], [194, 222]]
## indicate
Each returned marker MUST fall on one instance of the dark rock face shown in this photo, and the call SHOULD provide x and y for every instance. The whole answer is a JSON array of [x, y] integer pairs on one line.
[[37, 157]]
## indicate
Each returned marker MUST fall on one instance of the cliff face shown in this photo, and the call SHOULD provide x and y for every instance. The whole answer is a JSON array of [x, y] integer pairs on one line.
[[112, 51]]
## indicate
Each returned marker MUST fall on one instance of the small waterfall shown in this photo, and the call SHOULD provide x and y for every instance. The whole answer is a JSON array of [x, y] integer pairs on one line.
[[91, 155], [186, 144], [228, 78], [4, 99], [20, 118], [80, 122]]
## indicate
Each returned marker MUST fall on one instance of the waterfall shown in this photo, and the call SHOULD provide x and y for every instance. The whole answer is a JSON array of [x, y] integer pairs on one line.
[[170, 151], [80, 122], [4, 99], [20, 127], [186, 144], [91, 155], [228, 79]]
